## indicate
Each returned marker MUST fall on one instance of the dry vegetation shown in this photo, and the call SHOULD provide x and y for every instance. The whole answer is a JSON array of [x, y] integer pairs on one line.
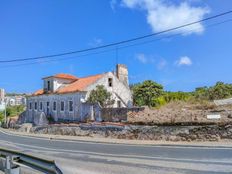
[[182, 112]]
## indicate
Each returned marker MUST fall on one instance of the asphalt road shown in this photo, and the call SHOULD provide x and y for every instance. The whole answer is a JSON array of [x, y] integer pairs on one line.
[[98, 158]]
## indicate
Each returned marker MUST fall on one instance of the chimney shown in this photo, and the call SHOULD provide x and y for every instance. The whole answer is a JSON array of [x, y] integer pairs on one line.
[[122, 73]]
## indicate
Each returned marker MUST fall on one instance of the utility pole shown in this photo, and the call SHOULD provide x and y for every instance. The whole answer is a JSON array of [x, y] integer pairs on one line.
[[5, 113]]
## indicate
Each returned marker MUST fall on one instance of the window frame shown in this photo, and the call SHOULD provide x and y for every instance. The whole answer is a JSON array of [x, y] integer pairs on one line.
[[54, 104], [110, 82], [41, 106], [119, 104], [35, 106], [70, 107], [30, 106], [48, 85], [61, 106]]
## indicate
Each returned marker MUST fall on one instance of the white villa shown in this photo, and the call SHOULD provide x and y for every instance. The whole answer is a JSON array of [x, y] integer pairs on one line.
[[64, 96]]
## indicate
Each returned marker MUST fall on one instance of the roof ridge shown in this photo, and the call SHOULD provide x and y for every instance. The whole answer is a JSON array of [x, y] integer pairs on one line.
[[92, 75]]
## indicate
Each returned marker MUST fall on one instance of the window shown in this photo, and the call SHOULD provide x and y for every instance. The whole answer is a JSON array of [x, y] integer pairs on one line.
[[54, 106], [70, 106], [62, 106], [48, 85], [35, 105], [47, 107], [40, 106], [119, 104], [110, 82], [30, 106]]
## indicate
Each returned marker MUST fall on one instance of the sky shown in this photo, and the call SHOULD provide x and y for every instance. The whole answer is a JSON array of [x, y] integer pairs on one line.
[[199, 55]]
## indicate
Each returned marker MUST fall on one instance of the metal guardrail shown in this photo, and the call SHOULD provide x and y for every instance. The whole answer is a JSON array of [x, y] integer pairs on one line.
[[14, 160]]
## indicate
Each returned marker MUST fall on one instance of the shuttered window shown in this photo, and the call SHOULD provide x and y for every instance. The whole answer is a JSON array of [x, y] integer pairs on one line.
[[35, 105], [41, 106], [62, 106], [54, 106], [70, 104]]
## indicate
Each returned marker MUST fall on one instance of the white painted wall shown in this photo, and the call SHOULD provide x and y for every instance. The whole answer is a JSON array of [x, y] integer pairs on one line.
[[57, 114], [55, 83], [58, 83], [119, 91]]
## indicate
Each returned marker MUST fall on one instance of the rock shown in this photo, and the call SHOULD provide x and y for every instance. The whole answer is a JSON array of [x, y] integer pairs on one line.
[[168, 133], [229, 115], [26, 127], [40, 119]]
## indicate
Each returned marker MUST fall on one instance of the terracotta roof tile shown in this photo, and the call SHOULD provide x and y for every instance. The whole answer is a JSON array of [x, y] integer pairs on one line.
[[64, 76], [38, 92], [78, 85]]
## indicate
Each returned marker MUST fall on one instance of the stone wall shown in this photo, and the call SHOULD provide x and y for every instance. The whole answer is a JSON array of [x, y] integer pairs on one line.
[[167, 133], [118, 114]]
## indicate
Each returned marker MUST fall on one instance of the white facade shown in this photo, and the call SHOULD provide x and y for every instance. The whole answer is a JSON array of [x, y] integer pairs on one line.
[[72, 106], [2, 95], [119, 91], [15, 100], [2, 106]]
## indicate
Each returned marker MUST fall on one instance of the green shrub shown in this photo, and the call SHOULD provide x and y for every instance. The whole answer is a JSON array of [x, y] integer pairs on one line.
[[146, 92], [177, 96], [14, 110], [160, 101], [101, 95], [151, 94], [219, 91]]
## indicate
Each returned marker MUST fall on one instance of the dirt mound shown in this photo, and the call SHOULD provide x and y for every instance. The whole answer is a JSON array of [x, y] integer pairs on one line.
[[182, 112]]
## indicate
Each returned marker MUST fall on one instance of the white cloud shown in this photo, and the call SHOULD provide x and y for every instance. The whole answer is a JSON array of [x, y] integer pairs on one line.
[[113, 3], [162, 64], [142, 58], [184, 61], [145, 59], [163, 15], [96, 42]]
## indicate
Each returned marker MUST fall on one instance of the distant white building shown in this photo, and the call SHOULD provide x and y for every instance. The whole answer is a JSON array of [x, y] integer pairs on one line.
[[64, 96], [2, 106], [15, 100], [2, 94], [2, 99]]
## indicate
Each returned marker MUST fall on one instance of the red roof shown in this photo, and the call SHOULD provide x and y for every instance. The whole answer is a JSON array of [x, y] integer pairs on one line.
[[64, 76], [38, 92], [79, 85]]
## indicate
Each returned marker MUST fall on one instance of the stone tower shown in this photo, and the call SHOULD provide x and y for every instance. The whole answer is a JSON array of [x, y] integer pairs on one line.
[[122, 73]]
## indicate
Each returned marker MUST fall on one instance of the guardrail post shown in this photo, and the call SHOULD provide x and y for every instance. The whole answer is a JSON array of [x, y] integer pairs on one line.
[[10, 167]]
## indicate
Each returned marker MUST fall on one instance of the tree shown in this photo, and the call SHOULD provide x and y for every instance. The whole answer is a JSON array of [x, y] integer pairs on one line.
[[14, 110], [219, 91], [100, 95], [144, 93], [202, 93]]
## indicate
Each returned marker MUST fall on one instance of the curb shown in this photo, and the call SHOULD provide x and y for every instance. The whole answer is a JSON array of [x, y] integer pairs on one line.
[[124, 142]]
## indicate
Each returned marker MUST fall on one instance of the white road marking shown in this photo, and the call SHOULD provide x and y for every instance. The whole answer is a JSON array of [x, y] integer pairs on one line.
[[112, 155]]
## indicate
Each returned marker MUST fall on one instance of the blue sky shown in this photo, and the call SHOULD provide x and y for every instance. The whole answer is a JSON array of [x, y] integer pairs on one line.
[[197, 56]]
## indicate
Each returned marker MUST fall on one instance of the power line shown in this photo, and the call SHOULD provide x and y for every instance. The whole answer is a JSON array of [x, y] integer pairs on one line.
[[116, 43], [118, 48]]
